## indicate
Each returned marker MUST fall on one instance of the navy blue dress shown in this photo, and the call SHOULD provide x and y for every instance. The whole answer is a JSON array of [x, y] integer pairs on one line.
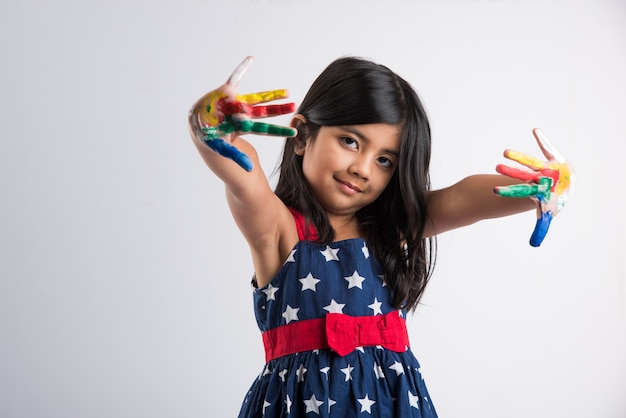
[[316, 280]]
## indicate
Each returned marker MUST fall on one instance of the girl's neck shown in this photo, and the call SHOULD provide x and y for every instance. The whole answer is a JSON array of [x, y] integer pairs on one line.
[[345, 227]]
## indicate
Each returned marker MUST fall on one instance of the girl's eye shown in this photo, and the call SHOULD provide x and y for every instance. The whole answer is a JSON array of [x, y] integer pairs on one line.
[[349, 142], [385, 162]]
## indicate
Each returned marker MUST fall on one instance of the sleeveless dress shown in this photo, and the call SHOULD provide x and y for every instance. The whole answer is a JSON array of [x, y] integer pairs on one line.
[[316, 281]]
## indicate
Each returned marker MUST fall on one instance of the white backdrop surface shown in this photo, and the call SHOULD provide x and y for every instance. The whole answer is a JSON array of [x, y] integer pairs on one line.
[[124, 283]]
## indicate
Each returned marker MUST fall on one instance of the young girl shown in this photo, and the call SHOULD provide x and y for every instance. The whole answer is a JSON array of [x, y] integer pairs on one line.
[[343, 248]]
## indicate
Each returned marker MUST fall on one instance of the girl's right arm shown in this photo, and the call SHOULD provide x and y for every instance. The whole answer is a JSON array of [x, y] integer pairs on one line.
[[264, 220]]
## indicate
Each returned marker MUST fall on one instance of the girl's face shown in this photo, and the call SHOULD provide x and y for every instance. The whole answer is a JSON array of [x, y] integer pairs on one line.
[[348, 167]]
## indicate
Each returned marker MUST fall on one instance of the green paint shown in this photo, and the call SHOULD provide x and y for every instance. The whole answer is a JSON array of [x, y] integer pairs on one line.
[[519, 190], [540, 190]]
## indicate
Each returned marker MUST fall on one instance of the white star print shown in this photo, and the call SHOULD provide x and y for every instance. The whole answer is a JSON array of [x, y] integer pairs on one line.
[[288, 403], [267, 371], [282, 374], [366, 404], [378, 371], [325, 371], [290, 259], [355, 280], [366, 251], [376, 307], [291, 314], [382, 277], [334, 307], [300, 373], [397, 367], [313, 405], [265, 405], [330, 254], [361, 349], [414, 400], [348, 372], [330, 403], [309, 282], [270, 292]]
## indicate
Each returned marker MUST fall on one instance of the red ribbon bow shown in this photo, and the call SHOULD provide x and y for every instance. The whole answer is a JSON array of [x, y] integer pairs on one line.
[[345, 333], [342, 333]]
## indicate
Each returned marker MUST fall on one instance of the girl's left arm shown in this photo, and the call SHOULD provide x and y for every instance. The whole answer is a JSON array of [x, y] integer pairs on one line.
[[471, 200], [547, 185]]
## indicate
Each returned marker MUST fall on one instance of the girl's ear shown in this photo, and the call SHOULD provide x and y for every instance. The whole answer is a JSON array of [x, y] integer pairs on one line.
[[299, 122]]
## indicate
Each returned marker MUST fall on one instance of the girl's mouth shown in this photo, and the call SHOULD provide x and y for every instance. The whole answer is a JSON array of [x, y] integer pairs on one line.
[[348, 187]]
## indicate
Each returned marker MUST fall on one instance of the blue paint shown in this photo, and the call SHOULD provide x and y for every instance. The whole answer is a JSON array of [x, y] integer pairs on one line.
[[541, 229], [227, 150]]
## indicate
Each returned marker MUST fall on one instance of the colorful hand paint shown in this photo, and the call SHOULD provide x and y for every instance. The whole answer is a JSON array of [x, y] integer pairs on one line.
[[222, 113], [552, 183]]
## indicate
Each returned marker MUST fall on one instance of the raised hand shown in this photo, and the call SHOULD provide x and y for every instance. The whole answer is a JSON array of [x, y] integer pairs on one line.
[[222, 113], [551, 183]]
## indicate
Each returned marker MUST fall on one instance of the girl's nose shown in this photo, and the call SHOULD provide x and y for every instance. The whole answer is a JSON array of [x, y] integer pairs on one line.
[[361, 168]]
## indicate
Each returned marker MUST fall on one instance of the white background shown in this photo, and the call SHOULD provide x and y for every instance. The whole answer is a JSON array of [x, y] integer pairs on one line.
[[124, 283]]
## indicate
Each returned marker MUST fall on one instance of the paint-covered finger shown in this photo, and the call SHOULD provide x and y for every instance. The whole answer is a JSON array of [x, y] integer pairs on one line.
[[263, 96], [541, 229], [525, 159], [547, 149], [227, 150], [517, 173], [241, 69], [272, 110], [517, 190], [261, 128]]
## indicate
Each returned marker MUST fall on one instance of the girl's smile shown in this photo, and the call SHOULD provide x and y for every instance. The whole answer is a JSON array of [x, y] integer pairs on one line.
[[348, 187]]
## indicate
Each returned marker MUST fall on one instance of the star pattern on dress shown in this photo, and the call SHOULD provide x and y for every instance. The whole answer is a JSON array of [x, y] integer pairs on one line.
[[270, 292], [300, 373], [376, 307], [355, 280], [313, 405], [366, 404], [366, 251], [288, 403], [309, 283], [330, 254], [330, 403], [378, 371], [334, 307], [348, 372], [291, 258], [414, 401], [291, 314], [265, 405], [308, 287], [397, 367], [382, 277]]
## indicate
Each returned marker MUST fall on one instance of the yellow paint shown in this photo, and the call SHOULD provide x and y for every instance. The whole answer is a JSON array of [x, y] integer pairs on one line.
[[262, 97], [525, 159], [538, 164], [565, 177], [209, 117]]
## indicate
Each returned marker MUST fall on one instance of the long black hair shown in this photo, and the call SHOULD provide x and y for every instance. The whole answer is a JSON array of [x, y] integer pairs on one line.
[[355, 91]]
